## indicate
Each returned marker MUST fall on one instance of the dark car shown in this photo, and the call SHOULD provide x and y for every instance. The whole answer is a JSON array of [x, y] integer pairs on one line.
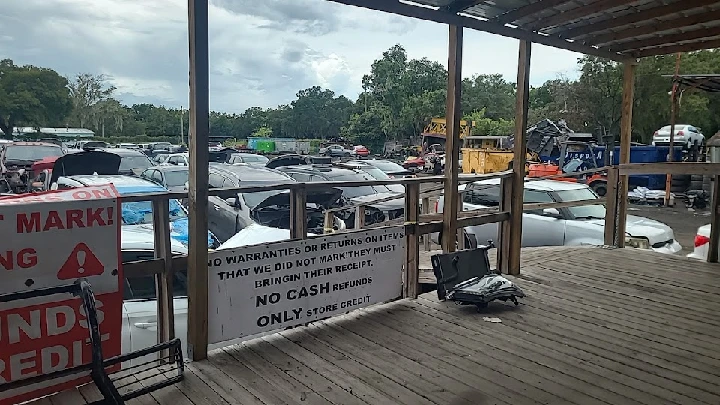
[[172, 178], [16, 160], [374, 212], [228, 216], [132, 162], [392, 169]]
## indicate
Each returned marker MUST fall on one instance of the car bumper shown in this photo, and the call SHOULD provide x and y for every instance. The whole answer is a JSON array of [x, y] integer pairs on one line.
[[670, 248], [700, 252], [665, 141]]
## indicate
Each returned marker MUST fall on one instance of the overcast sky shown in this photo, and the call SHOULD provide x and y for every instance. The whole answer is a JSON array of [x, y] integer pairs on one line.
[[261, 51]]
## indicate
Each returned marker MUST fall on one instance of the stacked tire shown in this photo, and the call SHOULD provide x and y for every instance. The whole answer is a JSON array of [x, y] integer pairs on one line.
[[696, 182], [680, 183]]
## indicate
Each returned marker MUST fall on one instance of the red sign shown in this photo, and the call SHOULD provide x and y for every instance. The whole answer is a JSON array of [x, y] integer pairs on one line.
[[52, 239]]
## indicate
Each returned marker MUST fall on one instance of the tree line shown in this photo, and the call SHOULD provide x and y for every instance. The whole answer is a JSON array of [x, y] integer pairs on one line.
[[399, 96]]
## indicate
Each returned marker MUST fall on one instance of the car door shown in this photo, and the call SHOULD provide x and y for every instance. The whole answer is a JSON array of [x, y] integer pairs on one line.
[[141, 308], [541, 227], [222, 217]]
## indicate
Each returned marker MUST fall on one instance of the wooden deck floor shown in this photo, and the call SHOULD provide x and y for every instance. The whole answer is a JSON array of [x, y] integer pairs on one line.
[[599, 326]]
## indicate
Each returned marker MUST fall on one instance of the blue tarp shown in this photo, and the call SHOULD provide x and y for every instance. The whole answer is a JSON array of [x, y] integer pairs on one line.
[[140, 213]]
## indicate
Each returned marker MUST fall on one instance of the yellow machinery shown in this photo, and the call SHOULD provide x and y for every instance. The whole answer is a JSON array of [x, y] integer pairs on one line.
[[484, 154]]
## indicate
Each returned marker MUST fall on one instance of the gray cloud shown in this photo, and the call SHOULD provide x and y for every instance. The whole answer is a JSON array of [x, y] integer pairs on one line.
[[303, 16]]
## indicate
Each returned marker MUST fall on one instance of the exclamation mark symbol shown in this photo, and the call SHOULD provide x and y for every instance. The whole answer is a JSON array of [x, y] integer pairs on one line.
[[110, 215], [81, 261]]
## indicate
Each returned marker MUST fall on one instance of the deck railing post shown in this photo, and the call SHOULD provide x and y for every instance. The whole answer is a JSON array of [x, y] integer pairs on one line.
[[503, 238], [298, 208], [329, 222], [611, 207], [625, 134], [359, 217], [163, 281], [412, 254], [714, 221], [426, 210]]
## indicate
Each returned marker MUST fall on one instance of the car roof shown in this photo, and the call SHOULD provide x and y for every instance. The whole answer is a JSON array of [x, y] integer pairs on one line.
[[543, 185], [172, 168], [123, 184], [122, 151], [246, 172]]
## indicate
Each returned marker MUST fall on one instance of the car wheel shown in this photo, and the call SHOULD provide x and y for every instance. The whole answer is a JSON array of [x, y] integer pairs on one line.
[[600, 188]]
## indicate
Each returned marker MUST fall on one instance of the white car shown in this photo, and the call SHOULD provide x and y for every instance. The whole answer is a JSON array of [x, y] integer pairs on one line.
[[575, 226], [177, 159], [702, 243], [685, 135]]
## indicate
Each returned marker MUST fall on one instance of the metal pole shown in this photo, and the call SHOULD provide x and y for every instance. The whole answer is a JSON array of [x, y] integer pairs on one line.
[[198, 138], [673, 118]]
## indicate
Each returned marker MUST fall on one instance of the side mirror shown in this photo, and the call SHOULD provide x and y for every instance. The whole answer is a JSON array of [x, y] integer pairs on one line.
[[551, 212]]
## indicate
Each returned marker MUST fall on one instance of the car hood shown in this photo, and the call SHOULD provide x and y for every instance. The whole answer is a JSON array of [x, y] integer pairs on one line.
[[87, 162], [383, 206], [179, 231], [325, 198], [639, 227], [256, 234]]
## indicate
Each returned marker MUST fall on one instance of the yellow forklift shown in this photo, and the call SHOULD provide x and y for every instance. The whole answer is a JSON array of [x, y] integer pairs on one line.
[[486, 154]]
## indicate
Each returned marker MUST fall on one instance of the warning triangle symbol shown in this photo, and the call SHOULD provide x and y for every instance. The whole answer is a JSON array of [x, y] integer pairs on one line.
[[82, 262]]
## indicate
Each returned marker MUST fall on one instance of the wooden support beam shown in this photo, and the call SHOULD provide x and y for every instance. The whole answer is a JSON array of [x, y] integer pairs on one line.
[[199, 138], [519, 154], [703, 168], [460, 5], [608, 39], [163, 280], [576, 13], [426, 210], [633, 18], [625, 136], [666, 50], [452, 143], [329, 222], [528, 10], [439, 16], [503, 238], [412, 247], [668, 39], [611, 207], [714, 222], [298, 212], [360, 217]]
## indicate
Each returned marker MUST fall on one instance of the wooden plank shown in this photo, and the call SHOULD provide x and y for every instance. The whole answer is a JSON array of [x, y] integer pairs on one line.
[[326, 388], [360, 217], [163, 280], [393, 385], [226, 387], [625, 135], [503, 238], [633, 18], [298, 213], [564, 204], [425, 208], [412, 245], [688, 47], [669, 168], [668, 39], [652, 28], [329, 222], [527, 10], [429, 14], [453, 114], [519, 154], [484, 219], [611, 207], [565, 17], [67, 397], [714, 222], [198, 139]]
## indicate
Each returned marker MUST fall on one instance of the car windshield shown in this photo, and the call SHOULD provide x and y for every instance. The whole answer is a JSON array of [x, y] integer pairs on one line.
[[175, 178], [586, 211], [380, 175], [387, 166], [31, 152], [352, 192], [136, 213], [128, 163]]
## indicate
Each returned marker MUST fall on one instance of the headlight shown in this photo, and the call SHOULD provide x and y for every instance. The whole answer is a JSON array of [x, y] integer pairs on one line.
[[637, 243]]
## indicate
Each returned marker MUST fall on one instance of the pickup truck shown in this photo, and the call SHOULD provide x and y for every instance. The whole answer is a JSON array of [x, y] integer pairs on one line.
[[574, 226]]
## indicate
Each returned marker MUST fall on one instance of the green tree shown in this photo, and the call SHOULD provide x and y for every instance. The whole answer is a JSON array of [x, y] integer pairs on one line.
[[31, 96], [88, 90]]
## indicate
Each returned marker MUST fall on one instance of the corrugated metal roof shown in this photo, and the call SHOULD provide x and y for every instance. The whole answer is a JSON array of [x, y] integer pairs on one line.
[[59, 132]]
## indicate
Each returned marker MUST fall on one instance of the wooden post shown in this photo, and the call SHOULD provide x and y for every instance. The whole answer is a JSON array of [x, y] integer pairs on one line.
[[164, 280], [714, 222], [625, 133], [452, 137], [519, 157], [199, 137], [611, 207], [298, 212], [329, 222], [503, 238], [412, 253], [359, 217], [460, 234], [426, 210]]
